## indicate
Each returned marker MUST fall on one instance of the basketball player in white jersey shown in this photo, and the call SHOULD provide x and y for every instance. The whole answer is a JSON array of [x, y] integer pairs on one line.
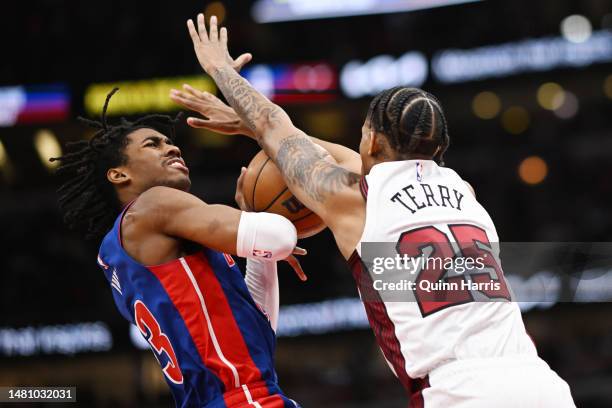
[[453, 351]]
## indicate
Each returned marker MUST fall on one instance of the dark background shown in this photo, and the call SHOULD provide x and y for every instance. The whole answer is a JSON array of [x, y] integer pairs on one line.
[[49, 276]]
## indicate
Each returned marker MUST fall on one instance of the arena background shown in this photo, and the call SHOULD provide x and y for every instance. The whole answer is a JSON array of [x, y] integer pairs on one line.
[[527, 88]]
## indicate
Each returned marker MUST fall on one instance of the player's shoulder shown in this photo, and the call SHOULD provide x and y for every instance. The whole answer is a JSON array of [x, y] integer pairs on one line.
[[160, 198], [152, 206], [460, 179], [154, 194]]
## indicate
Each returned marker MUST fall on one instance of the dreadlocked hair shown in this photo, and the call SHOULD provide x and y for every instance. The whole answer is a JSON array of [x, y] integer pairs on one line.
[[87, 200], [412, 120]]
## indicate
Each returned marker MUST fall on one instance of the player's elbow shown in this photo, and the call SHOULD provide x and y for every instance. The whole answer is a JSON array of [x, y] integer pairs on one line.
[[265, 235]]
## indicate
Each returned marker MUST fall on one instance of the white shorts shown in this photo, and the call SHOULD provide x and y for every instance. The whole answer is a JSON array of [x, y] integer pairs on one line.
[[497, 382]]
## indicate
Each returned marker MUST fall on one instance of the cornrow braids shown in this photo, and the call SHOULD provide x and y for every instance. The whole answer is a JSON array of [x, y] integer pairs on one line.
[[412, 120], [87, 200]]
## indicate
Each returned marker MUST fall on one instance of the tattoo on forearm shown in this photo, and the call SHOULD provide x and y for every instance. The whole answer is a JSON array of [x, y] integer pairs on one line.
[[298, 158], [304, 165], [253, 108]]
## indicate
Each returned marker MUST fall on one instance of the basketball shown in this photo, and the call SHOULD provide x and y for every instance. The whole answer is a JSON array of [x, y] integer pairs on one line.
[[265, 191]]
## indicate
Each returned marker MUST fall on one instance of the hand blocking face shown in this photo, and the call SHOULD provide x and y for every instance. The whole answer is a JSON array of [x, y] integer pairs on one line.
[[218, 116]]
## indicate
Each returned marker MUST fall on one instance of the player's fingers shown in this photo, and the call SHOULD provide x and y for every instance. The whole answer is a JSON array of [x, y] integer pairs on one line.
[[195, 92], [239, 196], [213, 125], [187, 96], [192, 32], [198, 123], [240, 180], [297, 267], [178, 93], [214, 33], [299, 251], [202, 96], [223, 36], [178, 98], [242, 60], [202, 28], [187, 102]]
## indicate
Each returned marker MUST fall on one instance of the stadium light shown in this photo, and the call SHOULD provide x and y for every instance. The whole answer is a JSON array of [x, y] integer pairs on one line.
[[515, 120], [6, 167], [47, 146], [143, 96], [216, 8], [569, 108], [358, 79], [576, 28], [287, 83], [3, 156], [271, 11], [608, 86], [486, 105], [532, 55], [533, 170], [551, 96], [34, 104]]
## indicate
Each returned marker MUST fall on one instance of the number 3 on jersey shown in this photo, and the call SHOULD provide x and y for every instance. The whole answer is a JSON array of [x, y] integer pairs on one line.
[[150, 329], [472, 243]]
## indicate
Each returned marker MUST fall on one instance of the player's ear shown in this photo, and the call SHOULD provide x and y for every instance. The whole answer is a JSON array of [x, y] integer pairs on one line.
[[371, 142], [117, 176], [375, 143]]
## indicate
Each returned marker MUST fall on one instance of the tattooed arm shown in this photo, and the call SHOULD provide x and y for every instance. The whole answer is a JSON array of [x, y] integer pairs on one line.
[[310, 172]]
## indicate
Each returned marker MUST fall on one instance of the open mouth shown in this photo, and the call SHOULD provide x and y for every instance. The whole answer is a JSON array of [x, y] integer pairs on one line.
[[178, 163]]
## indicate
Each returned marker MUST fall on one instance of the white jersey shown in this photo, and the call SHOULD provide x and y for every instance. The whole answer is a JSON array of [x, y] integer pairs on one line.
[[417, 201]]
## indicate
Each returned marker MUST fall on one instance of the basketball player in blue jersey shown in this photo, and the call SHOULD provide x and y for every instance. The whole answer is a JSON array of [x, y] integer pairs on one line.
[[165, 255], [467, 349]]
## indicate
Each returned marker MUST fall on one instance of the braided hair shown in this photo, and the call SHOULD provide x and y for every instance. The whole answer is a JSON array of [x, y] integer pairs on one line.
[[412, 120], [87, 200]]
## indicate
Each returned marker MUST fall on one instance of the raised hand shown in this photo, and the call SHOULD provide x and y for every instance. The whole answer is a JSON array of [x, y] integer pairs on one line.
[[211, 47], [218, 116]]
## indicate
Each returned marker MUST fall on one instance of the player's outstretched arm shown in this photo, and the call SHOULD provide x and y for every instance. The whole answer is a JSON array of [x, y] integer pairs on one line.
[[310, 172], [220, 118], [168, 212]]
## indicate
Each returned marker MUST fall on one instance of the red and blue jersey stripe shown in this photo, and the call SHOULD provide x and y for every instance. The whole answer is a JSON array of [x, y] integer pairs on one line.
[[215, 347]]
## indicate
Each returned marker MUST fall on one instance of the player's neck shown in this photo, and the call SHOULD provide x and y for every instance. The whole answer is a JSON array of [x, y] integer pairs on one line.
[[401, 157], [126, 196]]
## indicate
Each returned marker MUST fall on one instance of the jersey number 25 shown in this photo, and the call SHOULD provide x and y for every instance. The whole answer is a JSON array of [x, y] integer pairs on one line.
[[472, 242]]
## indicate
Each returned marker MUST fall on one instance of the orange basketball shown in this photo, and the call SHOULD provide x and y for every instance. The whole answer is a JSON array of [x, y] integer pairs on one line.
[[265, 191]]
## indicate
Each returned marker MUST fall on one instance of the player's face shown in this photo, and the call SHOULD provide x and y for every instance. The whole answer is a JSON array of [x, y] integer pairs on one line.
[[154, 160]]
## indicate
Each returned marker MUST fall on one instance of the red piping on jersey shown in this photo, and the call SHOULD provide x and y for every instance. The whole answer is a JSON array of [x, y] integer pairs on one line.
[[183, 295], [363, 187], [127, 206], [418, 386], [384, 329], [222, 317], [257, 392]]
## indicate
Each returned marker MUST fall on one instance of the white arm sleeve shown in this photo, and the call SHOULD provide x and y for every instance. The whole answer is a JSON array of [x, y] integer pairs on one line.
[[265, 235], [262, 280]]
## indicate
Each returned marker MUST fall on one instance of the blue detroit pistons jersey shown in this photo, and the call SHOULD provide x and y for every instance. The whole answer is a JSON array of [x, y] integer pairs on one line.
[[214, 345]]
